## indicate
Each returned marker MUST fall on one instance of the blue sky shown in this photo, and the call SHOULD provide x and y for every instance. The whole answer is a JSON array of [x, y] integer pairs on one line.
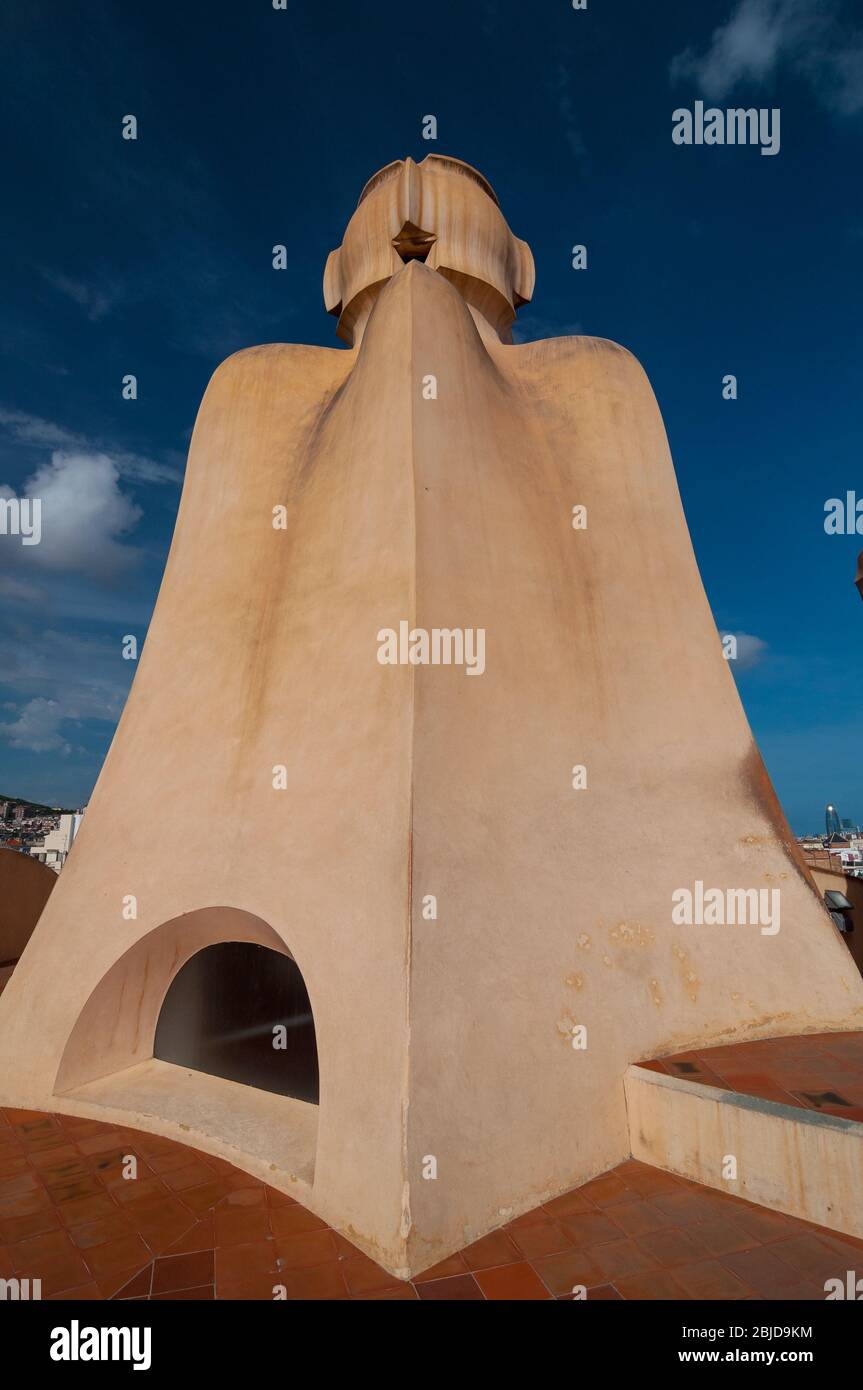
[[258, 126]]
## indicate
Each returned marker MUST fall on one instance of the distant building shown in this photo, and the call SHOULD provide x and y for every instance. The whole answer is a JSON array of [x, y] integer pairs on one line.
[[56, 845], [834, 824]]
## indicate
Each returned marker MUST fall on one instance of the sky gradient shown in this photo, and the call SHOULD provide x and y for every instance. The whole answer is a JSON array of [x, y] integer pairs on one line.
[[259, 126]]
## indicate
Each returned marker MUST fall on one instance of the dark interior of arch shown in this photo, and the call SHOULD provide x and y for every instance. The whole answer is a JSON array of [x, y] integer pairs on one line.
[[242, 1011]]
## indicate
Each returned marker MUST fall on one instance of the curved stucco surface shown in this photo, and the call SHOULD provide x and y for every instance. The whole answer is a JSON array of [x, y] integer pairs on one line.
[[446, 1037]]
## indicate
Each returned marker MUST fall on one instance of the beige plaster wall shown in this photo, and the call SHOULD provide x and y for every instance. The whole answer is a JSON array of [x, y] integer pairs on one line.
[[806, 1164], [451, 1038]]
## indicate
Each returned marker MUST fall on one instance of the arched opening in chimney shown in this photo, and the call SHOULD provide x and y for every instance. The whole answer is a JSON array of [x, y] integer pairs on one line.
[[241, 1011]]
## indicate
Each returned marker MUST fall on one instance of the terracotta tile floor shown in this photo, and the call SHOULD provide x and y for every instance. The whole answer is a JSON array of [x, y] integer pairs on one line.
[[192, 1227], [818, 1071]]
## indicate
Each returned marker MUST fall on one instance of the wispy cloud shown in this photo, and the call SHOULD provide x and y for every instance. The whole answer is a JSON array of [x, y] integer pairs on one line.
[[761, 38], [33, 430], [562, 93], [13, 589], [97, 300], [86, 675], [58, 680]]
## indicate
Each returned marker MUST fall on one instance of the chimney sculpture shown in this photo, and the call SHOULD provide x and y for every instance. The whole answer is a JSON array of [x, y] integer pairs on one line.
[[384, 881]]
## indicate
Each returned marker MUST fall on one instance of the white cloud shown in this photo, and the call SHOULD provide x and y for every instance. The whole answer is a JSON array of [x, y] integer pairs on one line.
[[37, 728], [33, 431], [750, 651], [762, 37], [83, 516]]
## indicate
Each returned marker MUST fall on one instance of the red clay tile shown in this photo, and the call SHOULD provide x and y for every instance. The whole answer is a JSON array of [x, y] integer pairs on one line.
[[15, 1228], [127, 1253], [293, 1220], [722, 1235], [305, 1249], [638, 1218], [260, 1287], [568, 1204], [561, 1273], [684, 1207], [203, 1294], [362, 1275], [404, 1293], [237, 1180], [545, 1238], [518, 1282], [237, 1263], [100, 1142], [201, 1199], [708, 1279], [273, 1197], [78, 1294], [190, 1175], [29, 1254], [201, 1236], [675, 1247], [622, 1257], [494, 1249], [161, 1231], [809, 1256], [445, 1268], [591, 1228], [656, 1285], [71, 1189], [100, 1232], [242, 1225], [113, 1169], [762, 1271], [607, 1190], [183, 1271], [17, 1117], [87, 1209], [256, 1197], [764, 1225], [321, 1282], [49, 1158], [13, 1164], [172, 1160], [632, 1215], [460, 1288], [17, 1184], [138, 1286], [651, 1182], [58, 1268]]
